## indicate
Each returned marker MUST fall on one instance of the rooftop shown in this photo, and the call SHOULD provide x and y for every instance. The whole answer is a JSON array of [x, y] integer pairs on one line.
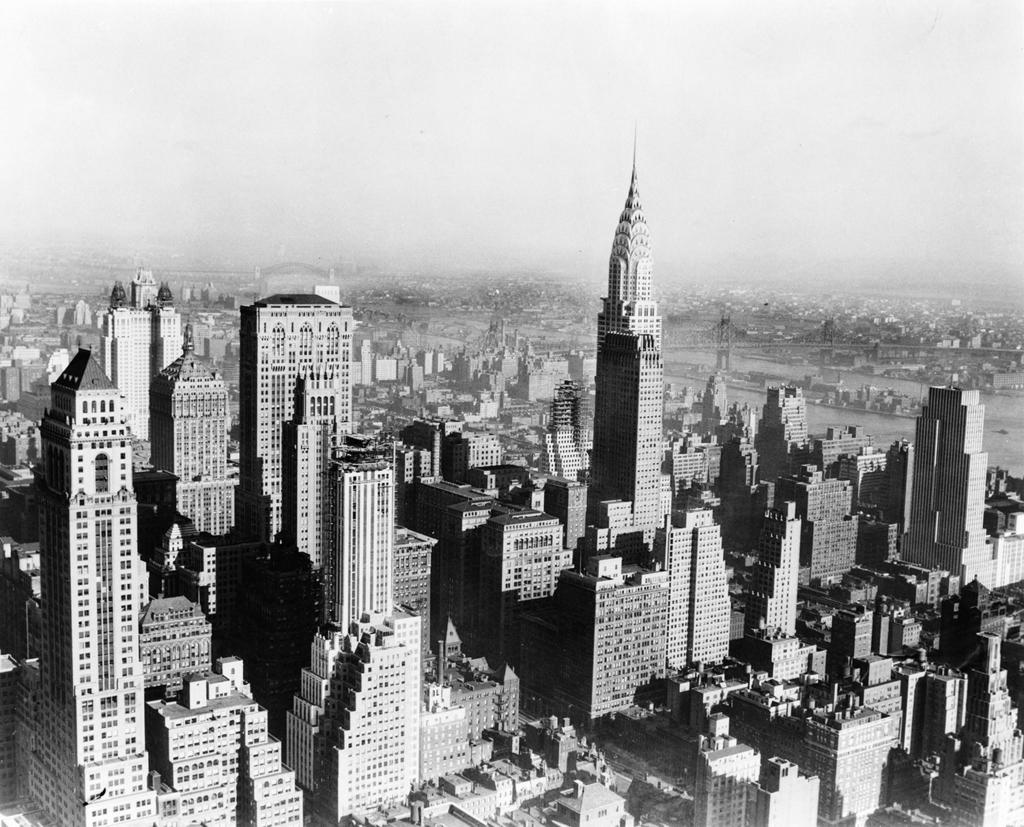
[[293, 299], [84, 373]]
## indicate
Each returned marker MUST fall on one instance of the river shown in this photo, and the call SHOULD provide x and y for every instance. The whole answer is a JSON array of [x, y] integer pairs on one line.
[[1002, 413]]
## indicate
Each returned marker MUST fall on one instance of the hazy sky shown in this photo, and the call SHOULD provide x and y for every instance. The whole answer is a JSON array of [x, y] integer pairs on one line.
[[816, 134]]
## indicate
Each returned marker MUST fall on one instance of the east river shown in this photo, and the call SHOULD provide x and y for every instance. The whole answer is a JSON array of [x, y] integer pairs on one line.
[[1002, 412]]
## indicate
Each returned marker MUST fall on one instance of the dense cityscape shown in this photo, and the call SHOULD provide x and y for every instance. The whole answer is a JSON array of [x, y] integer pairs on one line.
[[349, 478], [414, 560]]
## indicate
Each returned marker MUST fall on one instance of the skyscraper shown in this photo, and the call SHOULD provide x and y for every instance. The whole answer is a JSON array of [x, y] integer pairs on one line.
[[982, 778], [91, 760], [626, 459], [947, 503], [714, 407], [370, 732], [189, 423], [569, 438], [360, 554], [690, 550], [307, 443], [282, 337], [828, 545], [783, 428], [600, 642], [771, 603], [141, 336], [521, 556]]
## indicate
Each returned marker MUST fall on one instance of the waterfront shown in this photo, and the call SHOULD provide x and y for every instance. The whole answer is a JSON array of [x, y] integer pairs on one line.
[[1002, 412]]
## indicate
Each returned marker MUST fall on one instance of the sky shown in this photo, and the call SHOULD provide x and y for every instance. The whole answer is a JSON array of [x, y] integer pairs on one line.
[[798, 136]]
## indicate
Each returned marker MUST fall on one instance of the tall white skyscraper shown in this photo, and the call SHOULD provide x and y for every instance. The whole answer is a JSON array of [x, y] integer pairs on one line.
[[283, 337], [90, 766], [947, 502], [369, 736], [691, 551], [771, 603], [360, 558], [626, 458], [141, 336]]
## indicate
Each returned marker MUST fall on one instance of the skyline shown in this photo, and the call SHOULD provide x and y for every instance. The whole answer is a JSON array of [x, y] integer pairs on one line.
[[795, 141]]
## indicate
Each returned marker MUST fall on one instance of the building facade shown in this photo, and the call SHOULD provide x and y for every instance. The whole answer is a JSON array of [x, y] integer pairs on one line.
[[141, 336], [308, 441], [570, 435], [359, 570], [174, 641], [771, 601], [369, 734], [283, 337], [690, 550], [628, 408], [945, 528], [216, 762], [90, 764], [189, 423]]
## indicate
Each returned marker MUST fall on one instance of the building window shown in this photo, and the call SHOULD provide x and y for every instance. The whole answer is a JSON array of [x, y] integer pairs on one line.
[[102, 465]]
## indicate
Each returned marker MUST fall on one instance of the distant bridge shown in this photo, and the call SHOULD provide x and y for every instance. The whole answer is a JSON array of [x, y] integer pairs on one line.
[[723, 337]]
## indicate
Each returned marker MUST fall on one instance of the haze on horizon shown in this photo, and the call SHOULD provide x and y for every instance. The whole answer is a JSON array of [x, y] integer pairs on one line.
[[863, 139]]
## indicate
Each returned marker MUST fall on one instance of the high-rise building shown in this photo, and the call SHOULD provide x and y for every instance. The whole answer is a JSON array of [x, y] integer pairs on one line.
[[567, 500], [174, 640], [600, 642], [307, 443], [444, 734], [714, 406], [828, 546], [521, 557], [359, 569], [215, 759], [852, 630], [461, 451], [413, 553], [90, 764], [825, 451], [302, 722], [948, 496], [899, 472], [848, 750], [690, 550], [743, 497], [784, 797], [283, 337], [982, 776], [771, 601], [9, 695], [626, 459], [570, 435], [189, 423], [141, 336], [726, 773], [369, 733], [782, 430], [276, 614]]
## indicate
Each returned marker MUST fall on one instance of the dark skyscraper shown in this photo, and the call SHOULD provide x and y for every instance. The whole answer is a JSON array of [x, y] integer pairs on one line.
[[948, 497], [782, 429], [626, 460]]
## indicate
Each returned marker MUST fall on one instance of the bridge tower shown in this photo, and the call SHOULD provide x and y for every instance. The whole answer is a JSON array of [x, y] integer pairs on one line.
[[722, 333]]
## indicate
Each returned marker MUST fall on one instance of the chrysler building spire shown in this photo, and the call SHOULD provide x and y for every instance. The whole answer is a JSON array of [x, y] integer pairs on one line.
[[629, 305]]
